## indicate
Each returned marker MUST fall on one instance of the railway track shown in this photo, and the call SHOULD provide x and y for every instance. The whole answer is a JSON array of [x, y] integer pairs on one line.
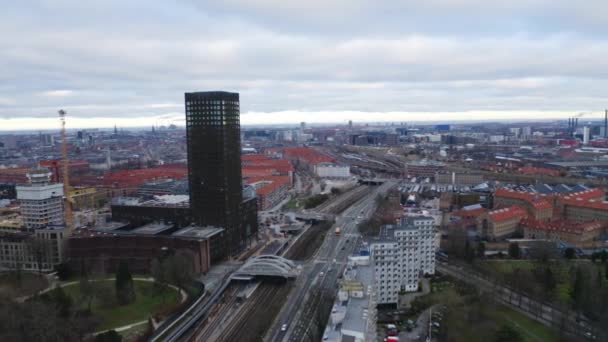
[[255, 316], [217, 315], [343, 201]]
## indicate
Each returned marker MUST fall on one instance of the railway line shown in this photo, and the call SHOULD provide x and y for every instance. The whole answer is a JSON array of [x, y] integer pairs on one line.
[[342, 202], [256, 315]]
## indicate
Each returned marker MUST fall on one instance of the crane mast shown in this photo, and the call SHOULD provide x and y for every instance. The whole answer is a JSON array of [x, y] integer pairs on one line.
[[65, 170]]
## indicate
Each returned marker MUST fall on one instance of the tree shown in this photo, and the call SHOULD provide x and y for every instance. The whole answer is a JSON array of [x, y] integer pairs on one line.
[[64, 271], [87, 294], [604, 256], [549, 281], [161, 276], [125, 291], [577, 290], [481, 249], [606, 271], [569, 253], [40, 249], [514, 251], [62, 301], [180, 269], [469, 253], [108, 336], [507, 334]]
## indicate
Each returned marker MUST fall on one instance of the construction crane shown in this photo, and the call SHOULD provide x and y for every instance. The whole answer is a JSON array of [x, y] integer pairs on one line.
[[66, 176]]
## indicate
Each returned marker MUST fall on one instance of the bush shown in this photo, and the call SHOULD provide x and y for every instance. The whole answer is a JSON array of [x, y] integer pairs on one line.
[[315, 201], [64, 271], [108, 336]]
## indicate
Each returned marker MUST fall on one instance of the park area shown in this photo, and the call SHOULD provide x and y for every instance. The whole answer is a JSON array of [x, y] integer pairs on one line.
[[149, 301], [460, 313], [549, 280], [20, 284]]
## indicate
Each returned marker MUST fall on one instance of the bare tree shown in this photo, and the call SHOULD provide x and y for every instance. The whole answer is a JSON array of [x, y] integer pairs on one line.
[[40, 249]]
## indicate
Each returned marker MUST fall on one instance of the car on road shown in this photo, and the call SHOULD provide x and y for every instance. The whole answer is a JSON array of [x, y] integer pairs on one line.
[[284, 327], [321, 274]]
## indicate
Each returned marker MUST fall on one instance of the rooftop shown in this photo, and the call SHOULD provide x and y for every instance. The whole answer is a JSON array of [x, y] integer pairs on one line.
[[357, 308], [507, 214], [154, 228], [565, 226], [196, 232]]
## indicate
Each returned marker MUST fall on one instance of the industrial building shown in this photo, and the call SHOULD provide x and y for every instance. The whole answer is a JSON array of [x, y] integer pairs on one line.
[[423, 168], [401, 255], [140, 246], [458, 179], [331, 170]]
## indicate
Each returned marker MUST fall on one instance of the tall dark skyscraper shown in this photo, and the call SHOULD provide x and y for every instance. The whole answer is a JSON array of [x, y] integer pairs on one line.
[[213, 136]]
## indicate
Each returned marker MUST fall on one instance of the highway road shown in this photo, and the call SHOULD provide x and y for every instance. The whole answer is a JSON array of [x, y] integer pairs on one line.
[[321, 270]]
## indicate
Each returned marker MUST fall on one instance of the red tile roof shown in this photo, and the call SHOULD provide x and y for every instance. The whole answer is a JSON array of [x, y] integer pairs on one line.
[[536, 200], [470, 213], [507, 214], [307, 154], [564, 226], [538, 170], [275, 182], [253, 157]]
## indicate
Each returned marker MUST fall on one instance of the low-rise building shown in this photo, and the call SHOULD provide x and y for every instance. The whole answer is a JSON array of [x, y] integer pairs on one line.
[[353, 316], [574, 233], [503, 222], [458, 179], [271, 190]]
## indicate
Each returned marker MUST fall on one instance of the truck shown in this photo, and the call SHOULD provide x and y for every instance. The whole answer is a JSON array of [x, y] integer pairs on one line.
[[338, 231]]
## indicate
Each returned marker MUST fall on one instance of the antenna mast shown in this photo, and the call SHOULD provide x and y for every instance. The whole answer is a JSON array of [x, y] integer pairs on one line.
[[66, 176]]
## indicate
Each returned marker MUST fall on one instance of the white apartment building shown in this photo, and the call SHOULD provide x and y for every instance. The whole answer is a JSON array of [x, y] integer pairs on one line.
[[401, 255], [41, 201], [40, 248]]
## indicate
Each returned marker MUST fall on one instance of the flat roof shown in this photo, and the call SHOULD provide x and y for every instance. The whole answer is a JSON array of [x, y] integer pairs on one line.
[[356, 308], [153, 228], [580, 163], [196, 232], [110, 227]]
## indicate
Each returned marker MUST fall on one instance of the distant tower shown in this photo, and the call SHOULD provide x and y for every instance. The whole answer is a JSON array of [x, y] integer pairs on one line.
[[115, 129], [302, 125], [109, 158], [586, 135], [350, 124]]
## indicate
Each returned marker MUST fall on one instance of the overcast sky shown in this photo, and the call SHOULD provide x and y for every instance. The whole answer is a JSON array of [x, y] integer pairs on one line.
[[129, 62]]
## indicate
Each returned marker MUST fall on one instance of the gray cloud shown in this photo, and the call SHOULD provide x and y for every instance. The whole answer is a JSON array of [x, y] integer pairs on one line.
[[136, 59]]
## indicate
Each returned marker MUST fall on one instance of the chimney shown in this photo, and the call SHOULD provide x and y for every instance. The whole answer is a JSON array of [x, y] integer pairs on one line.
[[606, 124]]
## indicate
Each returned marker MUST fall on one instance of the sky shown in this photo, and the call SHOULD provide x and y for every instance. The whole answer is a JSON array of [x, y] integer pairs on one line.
[[129, 62]]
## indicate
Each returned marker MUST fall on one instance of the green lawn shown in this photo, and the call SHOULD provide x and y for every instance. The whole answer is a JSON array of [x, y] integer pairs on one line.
[[147, 303], [30, 283], [531, 330], [294, 203], [508, 266]]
